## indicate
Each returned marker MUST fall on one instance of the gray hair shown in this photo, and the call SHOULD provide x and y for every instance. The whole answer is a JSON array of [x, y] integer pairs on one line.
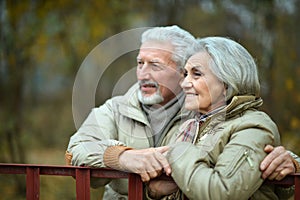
[[180, 39], [232, 64]]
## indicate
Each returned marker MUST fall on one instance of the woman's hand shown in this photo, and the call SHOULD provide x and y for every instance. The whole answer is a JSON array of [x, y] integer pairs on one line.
[[158, 188]]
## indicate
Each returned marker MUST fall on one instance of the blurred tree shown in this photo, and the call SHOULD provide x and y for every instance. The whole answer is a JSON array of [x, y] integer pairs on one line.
[[43, 44], [14, 62]]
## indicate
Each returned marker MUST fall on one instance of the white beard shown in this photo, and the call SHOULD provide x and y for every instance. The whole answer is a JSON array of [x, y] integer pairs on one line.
[[150, 100]]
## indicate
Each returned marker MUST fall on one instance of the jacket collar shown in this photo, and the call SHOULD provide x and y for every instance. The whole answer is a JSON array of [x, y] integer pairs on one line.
[[239, 104], [131, 107]]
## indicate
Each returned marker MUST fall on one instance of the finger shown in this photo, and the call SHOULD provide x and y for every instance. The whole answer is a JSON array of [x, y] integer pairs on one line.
[[281, 168], [154, 169], [268, 148], [287, 168], [162, 149], [267, 166], [154, 173], [272, 168], [273, 176], [157, 162], [283, 173], [153, 163], [145, 177], [271, 157], [163, 162]]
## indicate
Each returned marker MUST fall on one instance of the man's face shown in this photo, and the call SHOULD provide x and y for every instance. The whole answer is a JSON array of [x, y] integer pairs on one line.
[[157, 73]]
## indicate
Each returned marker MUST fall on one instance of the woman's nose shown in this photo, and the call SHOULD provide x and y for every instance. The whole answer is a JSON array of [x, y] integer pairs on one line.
[[186, 83]]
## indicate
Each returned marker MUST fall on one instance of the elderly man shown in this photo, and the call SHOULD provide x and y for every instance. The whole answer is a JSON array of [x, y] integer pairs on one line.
[[123, 132]]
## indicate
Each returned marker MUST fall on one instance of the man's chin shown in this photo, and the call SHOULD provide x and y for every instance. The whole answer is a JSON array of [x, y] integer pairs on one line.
[[150, 99]]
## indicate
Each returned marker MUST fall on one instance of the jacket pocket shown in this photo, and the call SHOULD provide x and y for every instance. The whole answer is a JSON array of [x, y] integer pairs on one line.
[[239, 159]]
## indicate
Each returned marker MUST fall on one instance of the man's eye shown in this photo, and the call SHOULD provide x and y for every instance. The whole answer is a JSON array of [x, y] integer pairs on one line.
[[157, 66]]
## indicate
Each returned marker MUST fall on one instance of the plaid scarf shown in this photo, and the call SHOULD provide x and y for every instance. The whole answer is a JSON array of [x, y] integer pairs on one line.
[[192, 126]]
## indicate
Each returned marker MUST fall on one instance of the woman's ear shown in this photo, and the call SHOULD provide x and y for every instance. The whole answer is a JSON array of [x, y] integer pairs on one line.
[[225, 86], [225, 89], [228, 92]]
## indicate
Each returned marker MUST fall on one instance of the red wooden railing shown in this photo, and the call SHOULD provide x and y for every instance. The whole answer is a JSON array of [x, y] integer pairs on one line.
[[83, 175]]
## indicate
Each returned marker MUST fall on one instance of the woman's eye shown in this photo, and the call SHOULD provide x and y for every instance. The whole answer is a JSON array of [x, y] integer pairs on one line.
[[198, 74]]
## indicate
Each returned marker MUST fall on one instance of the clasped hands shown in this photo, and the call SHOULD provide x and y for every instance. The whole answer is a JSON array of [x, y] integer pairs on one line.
[[148, 163], [151, 163]]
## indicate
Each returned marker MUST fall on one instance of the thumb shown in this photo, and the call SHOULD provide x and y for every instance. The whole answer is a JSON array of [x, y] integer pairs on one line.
[[162, 149], [268, 148]]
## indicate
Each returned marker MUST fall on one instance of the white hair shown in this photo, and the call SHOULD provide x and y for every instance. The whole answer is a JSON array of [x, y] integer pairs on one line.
[[232, 64], [180, 39]]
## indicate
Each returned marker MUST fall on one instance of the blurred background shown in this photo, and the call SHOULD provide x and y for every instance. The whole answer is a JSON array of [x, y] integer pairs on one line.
[[43, 44]]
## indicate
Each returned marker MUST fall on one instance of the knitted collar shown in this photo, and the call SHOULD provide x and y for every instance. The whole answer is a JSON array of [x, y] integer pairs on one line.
[[160, 117]]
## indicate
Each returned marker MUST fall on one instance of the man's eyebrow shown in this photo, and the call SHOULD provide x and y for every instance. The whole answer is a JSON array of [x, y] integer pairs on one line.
[[154, 61], [160, 60]]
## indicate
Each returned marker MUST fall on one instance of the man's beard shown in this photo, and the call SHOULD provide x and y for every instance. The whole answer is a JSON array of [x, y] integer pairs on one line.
[[155, 98]]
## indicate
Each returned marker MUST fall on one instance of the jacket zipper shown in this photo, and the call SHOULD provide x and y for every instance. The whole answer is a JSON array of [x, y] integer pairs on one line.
[[249, 160], [244, 156]]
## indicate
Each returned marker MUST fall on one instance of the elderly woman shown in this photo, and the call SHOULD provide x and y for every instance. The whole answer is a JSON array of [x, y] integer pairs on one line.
[[219, 152]]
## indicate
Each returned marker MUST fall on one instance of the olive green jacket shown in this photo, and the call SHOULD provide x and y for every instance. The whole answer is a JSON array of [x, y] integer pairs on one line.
[[223, 163]]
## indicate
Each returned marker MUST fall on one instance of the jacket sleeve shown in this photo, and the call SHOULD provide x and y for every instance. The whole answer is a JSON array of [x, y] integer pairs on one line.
[[236, 173], [96, 133], [296, 161]]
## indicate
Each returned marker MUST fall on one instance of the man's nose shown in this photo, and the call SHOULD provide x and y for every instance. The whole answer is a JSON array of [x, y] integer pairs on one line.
[[144, 71]]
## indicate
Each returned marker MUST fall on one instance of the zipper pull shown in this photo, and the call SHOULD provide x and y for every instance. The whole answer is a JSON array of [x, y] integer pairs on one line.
[[246, 154]]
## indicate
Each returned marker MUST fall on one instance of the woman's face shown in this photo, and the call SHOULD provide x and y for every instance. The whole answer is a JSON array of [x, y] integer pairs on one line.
[[204, 91]]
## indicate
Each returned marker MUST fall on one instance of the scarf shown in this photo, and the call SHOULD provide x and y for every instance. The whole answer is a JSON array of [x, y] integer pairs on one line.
[[192, 126], [160, 117]]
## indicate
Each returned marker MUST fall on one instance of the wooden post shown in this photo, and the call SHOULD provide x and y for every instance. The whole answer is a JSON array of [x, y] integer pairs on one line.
[[83, 184], [32, 183], [135, 187], [297, 187]]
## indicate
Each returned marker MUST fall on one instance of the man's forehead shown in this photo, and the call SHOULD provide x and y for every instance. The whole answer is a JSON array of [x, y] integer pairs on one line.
[[154, 54], [155, 51], [157, 45]]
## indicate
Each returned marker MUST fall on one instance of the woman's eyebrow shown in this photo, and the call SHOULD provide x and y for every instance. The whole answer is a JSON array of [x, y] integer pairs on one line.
[[197, 67]]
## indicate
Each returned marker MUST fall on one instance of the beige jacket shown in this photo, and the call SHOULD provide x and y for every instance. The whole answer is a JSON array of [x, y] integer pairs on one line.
[[120, 121], [223, 163]]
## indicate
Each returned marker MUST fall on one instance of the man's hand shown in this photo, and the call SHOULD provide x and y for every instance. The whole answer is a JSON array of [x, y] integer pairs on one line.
[[277, 164], [148, 163], [158, 188]]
